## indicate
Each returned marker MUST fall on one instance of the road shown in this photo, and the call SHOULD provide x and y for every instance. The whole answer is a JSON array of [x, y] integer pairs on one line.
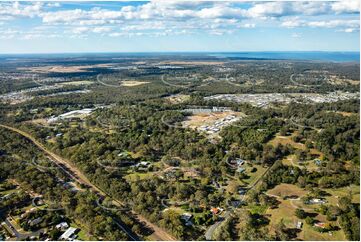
[[213, 227], [19, 235], [78, 176]]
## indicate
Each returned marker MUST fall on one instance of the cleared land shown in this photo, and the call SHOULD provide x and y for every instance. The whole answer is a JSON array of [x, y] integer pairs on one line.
[[284, 140], [342, 192], [76, 83], [193, 62], [291, 160], [133, 83], [286, 212], [63, 69], [287, 190], [178, 98], [197, 120]]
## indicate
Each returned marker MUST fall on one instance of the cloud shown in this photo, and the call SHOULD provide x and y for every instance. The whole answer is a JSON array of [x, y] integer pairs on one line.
[[40, 36], [80, 30], [161, 18], [101, 29], [249, 25], [350, 30], [161, 10], [220, 11], [53, 5], [66, 16], [346, 6], [8, 10], [281, 9], [293, 23], [336, 23]]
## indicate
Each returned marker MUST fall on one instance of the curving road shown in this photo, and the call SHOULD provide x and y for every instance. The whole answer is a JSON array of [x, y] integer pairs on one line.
[[21, 236], [77, 175], [213, 227]]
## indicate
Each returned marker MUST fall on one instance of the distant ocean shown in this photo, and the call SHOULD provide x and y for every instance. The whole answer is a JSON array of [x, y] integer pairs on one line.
[[251, 55], [292, 55]]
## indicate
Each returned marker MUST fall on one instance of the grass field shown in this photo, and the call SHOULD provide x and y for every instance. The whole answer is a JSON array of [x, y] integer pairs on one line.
[[255, 175], [308, 233], [291, 160], [284, 140], [257, 209], [341, 192], [287, 190], [286, 212], [134, 176]]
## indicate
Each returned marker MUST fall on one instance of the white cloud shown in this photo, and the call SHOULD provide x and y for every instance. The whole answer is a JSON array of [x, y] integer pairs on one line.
[[23, 10], [38, 34], [292, 23], [346, 6], [350, 30], [80, 30], [249, 25], [53, 5], [157, 10], [334, 23], [221, 12], [160, 18], [101, 29], [269, 9], [66, 16]]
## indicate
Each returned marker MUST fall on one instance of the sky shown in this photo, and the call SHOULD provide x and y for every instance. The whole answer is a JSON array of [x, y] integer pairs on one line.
[[172, 26]]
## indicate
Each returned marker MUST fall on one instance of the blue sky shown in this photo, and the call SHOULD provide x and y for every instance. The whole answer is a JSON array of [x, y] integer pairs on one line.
[[119, 26]]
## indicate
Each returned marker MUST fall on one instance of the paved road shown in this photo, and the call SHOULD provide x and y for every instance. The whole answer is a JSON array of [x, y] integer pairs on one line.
[[78, 176], [213, 227], [19, 235]]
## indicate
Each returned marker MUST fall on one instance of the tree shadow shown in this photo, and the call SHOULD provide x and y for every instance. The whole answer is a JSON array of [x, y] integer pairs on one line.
[[258, 220], [292, 232]]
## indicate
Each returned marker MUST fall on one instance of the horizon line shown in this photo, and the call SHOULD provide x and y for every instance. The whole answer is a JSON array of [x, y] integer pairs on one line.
[[181, 51]]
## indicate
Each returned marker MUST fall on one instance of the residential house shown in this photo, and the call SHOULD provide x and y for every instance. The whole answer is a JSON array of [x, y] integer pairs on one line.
[[62, 226], [69, 234]]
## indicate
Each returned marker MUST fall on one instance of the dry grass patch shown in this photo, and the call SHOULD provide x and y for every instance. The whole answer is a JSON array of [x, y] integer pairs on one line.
[[286, 140], [286, 212], [39, 121], [337, 193], [283, 190], [133, 83], [178, 98]]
